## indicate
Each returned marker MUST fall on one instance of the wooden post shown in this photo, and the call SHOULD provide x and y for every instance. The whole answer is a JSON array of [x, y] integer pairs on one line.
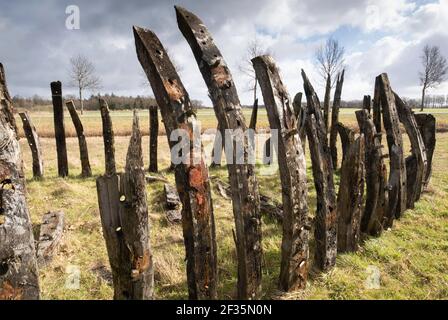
[[376, 108], [367, 103], [34, 143], [292, 164], [245, 198], [108, 137], [50, 235], [6, 100], [376, 177], [397, 174], [350, 197], [124, 217], [86, 171], [300, 113], [153, 136], [218, 146], [415, 173], [427, 127], [347, 137], [19, 277], [253, 117], [59, 131], [326, 214], [335, 119], [192, 179]]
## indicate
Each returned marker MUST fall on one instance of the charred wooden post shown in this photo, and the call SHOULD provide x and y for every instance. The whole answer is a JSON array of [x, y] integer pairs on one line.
[[34, 143], [59, 130], [86, 171], [300, 113], [18, 265], [124, 218], [326, 215], [335, 119], [218, 146], [253, 117], [246, 204], [367, 103], [108, 137], [350, 197], [376, 107], [50, 236], [415, 173], [292, 164], [192, 179], [347, 137], [427, 127], [397, 174], [6, 101], [376, 177], [153, 136]]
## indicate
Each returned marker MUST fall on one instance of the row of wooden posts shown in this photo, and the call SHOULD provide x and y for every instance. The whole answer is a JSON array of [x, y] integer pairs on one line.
[[339, 220]]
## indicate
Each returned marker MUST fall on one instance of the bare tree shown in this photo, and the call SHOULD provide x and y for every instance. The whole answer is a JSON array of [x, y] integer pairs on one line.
[[330, 60], [254, 49], [434, 72], [82, 76]]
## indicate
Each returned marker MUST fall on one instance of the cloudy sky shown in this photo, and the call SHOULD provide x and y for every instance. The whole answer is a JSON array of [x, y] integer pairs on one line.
[[378, 36]]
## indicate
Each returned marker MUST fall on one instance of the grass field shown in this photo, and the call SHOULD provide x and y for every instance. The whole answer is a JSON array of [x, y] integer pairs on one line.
[[122, 120], [412, 257]]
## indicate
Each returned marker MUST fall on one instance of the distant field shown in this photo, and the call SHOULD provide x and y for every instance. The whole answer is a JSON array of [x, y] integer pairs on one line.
[[122, 121]]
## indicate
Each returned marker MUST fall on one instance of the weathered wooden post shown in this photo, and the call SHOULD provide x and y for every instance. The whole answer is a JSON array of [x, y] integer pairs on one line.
[[416, 163], [376, 108], [245, 197], [124, 218], [218, 146], [300, 113], [253, 117], [50, 235], [376, 177], [350, 197], [192, 179], [108, 137], [397, 174], [347, 136], [19, 277], [335, 119], [153, 136], [59, 131], [427, 127], [86, 171], [326, 214], [291, 160], [34, 143]]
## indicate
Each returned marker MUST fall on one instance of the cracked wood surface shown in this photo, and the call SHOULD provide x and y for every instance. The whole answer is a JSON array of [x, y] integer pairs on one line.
[[34, 143], [108, 138]]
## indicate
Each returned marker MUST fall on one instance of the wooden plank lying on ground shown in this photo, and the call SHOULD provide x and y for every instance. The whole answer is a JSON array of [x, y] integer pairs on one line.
[[50, 236], [86, 171], [34, 143], [191, 174], [326, 214], [245, 198], [292, 165]]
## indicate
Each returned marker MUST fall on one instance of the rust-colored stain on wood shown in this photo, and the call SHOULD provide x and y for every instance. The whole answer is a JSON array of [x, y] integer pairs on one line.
[[221, 76], [142, 263], [8, 292], [173, 89]]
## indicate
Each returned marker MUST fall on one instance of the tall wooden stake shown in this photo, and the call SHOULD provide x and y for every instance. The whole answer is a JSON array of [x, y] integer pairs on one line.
[[108, 137], [192, 179], [253, 118], [19, 279], [34, 143], [397, 175], [291, 160], [86, 171], [300, 113], [335, 119], [59, 131], [245, 197], [326, 214], [153, 136], [124, 217], [427, 127]]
